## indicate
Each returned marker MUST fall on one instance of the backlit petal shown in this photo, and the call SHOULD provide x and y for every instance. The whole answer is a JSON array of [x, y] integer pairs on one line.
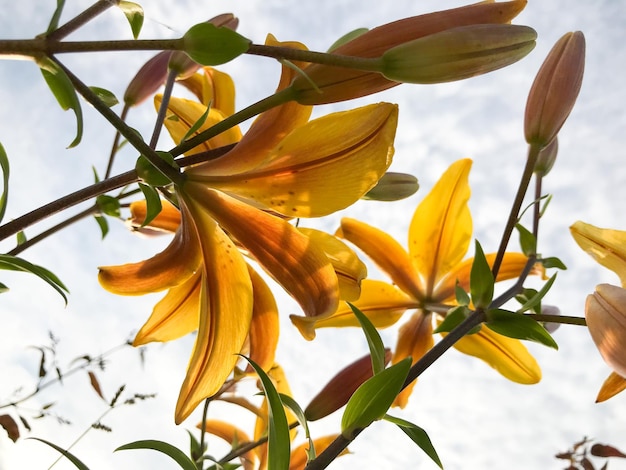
[[382, 303], [613, 385], [167, 269], [290, 257], [183, 114], [264, 328], [233, 435], [175, 315], [415, 338], [168, 219], [225, 313], [441, 228], [387, 253], [507, 355], [299, 456], [321, 167], [607, 247]]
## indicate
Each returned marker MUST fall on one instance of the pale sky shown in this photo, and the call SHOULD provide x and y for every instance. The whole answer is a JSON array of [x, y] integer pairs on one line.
[[475, 418]]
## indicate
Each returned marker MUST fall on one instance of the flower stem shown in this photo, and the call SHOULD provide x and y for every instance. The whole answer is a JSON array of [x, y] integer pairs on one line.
[[563, 320], [83, 18]]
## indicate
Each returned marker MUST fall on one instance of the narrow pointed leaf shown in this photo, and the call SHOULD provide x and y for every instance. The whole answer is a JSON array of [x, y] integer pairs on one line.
[[13, 263], [103, 224], [536, 299], [373, 398], [417, 435], [134, 15], [108, 205], [519, 326], [278, 428], [453, 318], [481, 280], [375, 343], [77, 463], [153, 203], [347, 38], [106, 96], [4, 165], [297, 410], [175, 453], [63, 90], [527, 240], [552, 262], [196, 125], [54, 21]]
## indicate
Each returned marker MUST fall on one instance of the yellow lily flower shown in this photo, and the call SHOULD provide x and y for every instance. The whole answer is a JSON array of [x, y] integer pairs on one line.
[[424, 279], [284, 165], [604, 309]]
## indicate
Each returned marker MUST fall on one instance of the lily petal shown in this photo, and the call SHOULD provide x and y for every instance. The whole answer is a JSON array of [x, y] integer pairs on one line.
[[233, 435], [169, 268], [508, 356], [298, 458], [382, 303], [415, 338], [321, 167], [168, 219], [183, 114], [386, 252], [225, 312], [175, 315], [613, 385], [264, 328], [441, 229], [290, 257], [607, 247]]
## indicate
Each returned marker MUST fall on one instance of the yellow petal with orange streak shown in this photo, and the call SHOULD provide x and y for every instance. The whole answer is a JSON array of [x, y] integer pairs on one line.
[[298, 458], [225, 313], [233, 435], [168, 219]]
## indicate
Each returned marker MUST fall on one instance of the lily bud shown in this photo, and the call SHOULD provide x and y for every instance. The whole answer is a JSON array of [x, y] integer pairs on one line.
[[605, 312], [393, 187], [458, 53], [555, 89], [546, 158], [340, 388]]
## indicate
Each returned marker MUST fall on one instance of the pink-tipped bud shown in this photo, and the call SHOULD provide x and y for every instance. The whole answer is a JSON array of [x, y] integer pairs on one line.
[[555, 89]]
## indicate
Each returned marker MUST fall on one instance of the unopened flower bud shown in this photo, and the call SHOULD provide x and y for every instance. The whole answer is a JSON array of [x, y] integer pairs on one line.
[[393, 187], [605, 312], [458, 53], [546, 158], [340, 388], [555, 89]]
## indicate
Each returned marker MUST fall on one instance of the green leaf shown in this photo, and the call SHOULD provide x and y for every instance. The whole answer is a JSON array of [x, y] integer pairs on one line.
[[278, 440], [536, 299], [196, 125], [519, 326], [195, 448], [453, 318], [13, 263], [20, 237], [56, 16], [209, 45], [347, 38], [481, 280], [293, 405], [175, 453], [417, 435], [462, 297], [527, 240], [3, 288], [373, 398], [525, 296], [103, 224], [151, 175], [4, 165], [153, 203], [552, 262], [106, 96], [109, 205], [375, 343], [77, 463], [134, 15], [63, 90]]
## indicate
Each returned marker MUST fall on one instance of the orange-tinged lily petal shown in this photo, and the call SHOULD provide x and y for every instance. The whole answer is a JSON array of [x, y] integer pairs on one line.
[[290, 257], [233, 435], [613, 385], [321, 167], [349, 268], [299, 455], [508, 356], [605, 312], [168, 219], [175, 315], [218, 91], [167, 269], [382, 303], [264, 328], [183, 114], [441, 228], [266, 132], [606, 246], [415, 338], [386, 252], [225, 312]]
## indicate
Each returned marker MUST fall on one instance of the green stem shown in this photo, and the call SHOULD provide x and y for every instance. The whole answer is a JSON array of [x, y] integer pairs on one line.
[[83, 18], [533, 152], [563, 320], [205, 414], [116, 143], [165, 101]]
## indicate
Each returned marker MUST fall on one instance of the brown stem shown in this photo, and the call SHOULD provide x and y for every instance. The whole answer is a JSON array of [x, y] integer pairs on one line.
[[90, 13]]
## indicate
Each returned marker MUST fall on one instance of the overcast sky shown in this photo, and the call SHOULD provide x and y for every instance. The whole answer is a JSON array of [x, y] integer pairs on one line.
[[475, 418]]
